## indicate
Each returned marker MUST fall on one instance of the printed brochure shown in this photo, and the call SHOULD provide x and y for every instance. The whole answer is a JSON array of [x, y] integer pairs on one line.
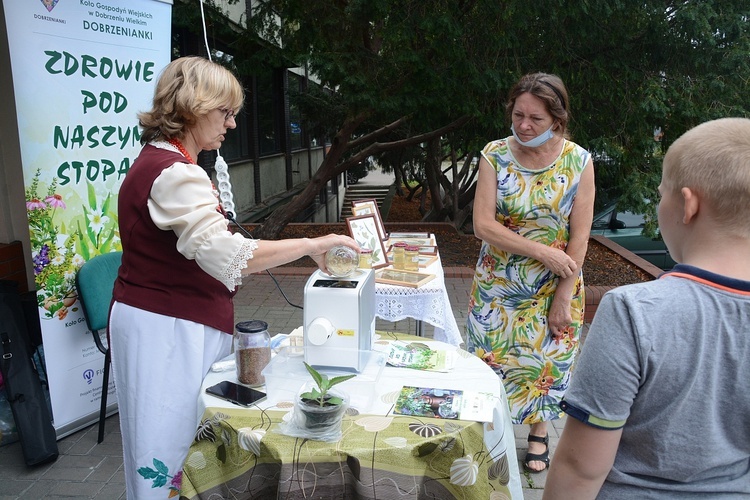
[[419, 356], [445, 403]]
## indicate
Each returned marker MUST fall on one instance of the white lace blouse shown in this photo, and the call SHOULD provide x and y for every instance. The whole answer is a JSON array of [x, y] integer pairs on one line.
[[183, 200]]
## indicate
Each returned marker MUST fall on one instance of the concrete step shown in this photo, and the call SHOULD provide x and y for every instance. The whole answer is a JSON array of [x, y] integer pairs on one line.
[[353, 193]]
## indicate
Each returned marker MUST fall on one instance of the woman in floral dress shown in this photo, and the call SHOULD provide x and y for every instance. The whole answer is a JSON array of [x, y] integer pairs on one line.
[[533, 210]]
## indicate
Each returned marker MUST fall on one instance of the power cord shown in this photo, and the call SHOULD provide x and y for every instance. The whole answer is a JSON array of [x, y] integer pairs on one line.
[[230, 217], [226, 199]]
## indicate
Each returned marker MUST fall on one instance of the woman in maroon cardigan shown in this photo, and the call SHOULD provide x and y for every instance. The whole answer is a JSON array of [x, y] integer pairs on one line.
[[172, 315]]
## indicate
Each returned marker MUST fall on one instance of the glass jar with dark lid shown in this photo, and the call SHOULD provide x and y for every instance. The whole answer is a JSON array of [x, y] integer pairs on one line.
[[252, 351]]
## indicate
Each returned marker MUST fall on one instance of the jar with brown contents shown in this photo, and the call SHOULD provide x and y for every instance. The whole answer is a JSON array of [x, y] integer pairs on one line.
[[252, 351]]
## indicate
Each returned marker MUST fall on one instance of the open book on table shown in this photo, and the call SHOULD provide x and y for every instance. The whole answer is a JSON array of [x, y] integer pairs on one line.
[[445, 403]]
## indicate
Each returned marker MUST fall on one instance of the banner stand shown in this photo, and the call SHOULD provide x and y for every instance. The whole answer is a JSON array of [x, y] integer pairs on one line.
[[81, 71]]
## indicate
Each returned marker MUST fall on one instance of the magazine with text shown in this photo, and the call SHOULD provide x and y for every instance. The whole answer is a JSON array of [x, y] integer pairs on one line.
[[445, 403], [419, 356]]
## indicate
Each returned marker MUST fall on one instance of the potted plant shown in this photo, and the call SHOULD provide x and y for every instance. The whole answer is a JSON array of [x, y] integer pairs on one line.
[[321, 407]]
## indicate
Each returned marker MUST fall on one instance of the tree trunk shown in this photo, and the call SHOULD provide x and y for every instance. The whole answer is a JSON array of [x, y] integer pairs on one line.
[[433, 173], [272, 227], [454, 181], [332, 166]]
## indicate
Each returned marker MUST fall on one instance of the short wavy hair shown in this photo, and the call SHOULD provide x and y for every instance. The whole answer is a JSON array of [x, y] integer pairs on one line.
[[188, 89], [550, 89]]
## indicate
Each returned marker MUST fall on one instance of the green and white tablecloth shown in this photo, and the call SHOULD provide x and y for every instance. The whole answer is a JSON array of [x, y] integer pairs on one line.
[[239, 453]]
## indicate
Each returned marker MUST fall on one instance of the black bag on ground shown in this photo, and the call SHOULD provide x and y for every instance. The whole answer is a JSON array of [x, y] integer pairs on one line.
[[22, 384]]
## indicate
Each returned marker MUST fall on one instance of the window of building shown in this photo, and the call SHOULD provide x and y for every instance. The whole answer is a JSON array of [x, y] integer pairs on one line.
[[296, 137], [269, 113], [236, 143]]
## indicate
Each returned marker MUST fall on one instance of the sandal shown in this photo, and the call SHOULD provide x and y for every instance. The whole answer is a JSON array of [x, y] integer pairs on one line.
[[543, 457]]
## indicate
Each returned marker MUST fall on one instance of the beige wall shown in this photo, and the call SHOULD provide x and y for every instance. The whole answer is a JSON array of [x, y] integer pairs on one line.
[[273, 182]]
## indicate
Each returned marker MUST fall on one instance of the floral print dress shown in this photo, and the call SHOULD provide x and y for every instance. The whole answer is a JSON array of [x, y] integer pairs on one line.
[[511, 294]]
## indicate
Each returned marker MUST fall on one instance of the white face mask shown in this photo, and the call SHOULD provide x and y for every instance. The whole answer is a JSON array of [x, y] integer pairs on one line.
[[536, 141]]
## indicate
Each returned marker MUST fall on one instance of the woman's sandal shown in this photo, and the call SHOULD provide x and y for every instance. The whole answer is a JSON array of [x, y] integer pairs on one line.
[[543, 457]]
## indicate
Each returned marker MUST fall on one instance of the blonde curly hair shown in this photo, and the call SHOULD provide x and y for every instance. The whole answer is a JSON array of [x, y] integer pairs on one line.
[[188, 89]]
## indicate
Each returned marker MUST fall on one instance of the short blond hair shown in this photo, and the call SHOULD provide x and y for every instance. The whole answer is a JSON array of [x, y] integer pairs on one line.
[[713, 159], [188, 89]]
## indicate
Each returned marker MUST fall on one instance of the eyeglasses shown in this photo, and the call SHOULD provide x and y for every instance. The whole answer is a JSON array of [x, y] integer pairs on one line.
[[228, 113]]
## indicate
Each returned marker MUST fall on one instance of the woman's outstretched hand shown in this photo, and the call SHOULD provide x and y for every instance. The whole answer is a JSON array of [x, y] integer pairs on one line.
[[322, 244]]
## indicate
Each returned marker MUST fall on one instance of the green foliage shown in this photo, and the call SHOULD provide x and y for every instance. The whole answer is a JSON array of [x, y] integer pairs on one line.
[[389, 58], [320, 394], [98, 232], [411, 402], [160, 475], [630, 69]]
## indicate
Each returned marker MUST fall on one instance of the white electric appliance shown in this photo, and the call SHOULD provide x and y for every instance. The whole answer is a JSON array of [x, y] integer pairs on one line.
[[339, 319]]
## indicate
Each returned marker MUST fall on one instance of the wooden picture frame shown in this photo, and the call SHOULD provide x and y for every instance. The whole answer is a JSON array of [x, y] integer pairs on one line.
[[423, 250], [397, 234], [420, 242], [426, 260], [409, 279], [369, 206], [364, 230]]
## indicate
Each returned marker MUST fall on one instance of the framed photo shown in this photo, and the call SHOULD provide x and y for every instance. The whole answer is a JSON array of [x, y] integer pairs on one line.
[[364, 230], [420, 242], [426, 260], [402, 278], [369, 206], [423, 250], [409, 235]]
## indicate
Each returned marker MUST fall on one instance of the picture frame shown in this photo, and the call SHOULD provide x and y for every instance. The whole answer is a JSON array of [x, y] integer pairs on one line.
[[409, 279], [423, 250], [420, 242], [426, 260], [364, 230], [369, 206], [397, 234]]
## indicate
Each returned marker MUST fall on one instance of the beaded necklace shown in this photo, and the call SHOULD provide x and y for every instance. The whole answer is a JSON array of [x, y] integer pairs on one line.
[[176, 143]]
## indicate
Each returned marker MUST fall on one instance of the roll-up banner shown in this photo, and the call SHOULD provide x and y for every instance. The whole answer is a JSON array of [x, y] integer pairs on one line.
[[82, 70]]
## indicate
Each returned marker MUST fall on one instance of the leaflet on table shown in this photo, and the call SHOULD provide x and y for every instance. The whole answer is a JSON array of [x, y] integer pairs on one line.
[[419, 356], [445, 403]]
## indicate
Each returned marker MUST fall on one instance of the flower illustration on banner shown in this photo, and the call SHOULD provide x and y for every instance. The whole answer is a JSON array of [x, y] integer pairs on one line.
[[55, 261], [97, 232]]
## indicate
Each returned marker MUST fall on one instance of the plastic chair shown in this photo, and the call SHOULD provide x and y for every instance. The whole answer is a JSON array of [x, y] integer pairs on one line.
[[95, 281]]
